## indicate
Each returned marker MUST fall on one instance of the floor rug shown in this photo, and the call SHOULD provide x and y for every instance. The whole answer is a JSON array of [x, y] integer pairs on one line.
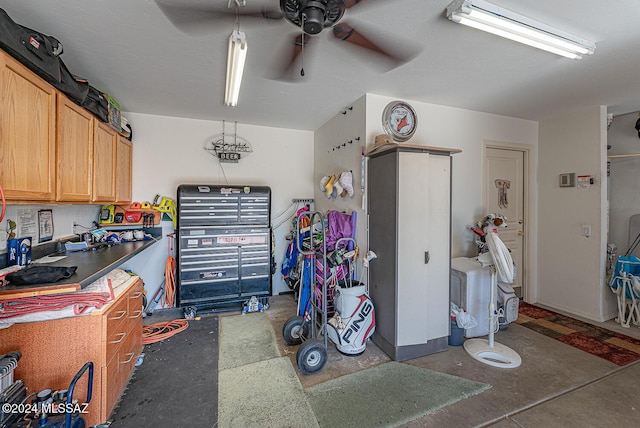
[[609, 345], [177, 383], [246, 339], [263, 394], [387, 395]]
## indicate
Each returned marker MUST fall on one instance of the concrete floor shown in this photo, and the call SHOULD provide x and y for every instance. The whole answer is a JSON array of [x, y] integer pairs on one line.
[[556, 385]]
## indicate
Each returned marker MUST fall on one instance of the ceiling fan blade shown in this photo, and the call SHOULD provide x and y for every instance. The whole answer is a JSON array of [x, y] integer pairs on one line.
[[350, 3], [295, 54], [398, 53], [198, 18]]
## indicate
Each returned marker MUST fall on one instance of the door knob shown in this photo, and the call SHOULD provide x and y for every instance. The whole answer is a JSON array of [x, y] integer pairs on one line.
[[520, 233]]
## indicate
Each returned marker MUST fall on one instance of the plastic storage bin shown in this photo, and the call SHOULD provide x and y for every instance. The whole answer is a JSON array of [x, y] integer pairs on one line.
[[456, 338], [471, 291]]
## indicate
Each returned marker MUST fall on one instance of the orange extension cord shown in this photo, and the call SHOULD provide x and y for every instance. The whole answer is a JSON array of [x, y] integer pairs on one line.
[[169, 299], [162, 330], [169, 283]]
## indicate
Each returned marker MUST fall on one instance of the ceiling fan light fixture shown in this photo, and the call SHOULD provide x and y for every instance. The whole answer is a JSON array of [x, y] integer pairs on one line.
[[236, 57], [502, 22]]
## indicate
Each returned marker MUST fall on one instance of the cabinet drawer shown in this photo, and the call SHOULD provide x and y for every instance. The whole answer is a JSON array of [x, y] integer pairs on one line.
[[110, 382], [259, 285], [134, 302], [116, 374], [132, 347], [203, 291], [114, 341], [114, 317]]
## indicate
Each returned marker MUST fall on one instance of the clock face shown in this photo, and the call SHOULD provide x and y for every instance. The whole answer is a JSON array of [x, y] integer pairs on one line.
[[399, 120]]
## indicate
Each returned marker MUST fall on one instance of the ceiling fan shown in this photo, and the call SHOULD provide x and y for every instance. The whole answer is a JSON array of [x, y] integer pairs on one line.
[[310, 17]]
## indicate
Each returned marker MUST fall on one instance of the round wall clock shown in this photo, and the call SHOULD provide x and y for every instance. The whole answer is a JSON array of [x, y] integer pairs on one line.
[[399, 120]]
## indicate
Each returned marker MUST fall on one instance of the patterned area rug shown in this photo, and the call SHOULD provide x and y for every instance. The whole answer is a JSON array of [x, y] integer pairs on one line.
[[614, 347]]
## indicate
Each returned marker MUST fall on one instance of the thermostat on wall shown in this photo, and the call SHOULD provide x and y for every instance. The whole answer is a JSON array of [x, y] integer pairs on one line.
[[568, 179], [584, 182]]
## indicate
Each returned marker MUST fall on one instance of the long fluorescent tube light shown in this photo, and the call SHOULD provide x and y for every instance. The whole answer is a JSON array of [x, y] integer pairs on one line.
[[488, 17], [235, 66]]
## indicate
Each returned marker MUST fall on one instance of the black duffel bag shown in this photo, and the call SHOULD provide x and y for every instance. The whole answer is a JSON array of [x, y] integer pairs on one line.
[[41, 54], [40, 275], [97, 103]]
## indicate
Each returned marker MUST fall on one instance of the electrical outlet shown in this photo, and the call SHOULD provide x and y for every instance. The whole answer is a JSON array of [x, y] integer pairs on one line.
[[305, 201]]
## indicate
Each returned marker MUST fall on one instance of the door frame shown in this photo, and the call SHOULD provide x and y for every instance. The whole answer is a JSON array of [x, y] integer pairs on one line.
[[529, 260]]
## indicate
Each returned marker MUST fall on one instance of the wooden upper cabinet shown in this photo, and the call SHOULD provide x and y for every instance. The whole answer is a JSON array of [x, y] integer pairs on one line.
[[27, 133], [74, 149], [51, 149], [104, 166], [124, 158]]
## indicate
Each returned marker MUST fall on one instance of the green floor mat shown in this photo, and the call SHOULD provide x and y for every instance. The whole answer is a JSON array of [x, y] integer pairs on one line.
[[246, 339], [263, 394], [388, 395]]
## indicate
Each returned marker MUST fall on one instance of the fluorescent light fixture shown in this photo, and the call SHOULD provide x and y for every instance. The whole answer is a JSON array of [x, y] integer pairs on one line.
[[235, 66], [488, 17]]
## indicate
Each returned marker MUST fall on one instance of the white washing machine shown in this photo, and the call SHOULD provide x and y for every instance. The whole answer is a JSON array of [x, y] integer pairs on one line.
[[471, 291]]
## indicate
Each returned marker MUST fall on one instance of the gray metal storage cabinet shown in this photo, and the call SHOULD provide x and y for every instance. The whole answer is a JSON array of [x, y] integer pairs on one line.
[[409, 194], [224, 246]]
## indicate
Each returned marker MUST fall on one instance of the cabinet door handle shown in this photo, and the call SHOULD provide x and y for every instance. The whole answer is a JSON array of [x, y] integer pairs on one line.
[[136, 295], [427, 257], [119, 317], [130, 354], [137, 313], [122, 336]]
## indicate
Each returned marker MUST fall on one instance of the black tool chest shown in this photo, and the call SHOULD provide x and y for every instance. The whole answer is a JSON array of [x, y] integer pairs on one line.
[[224, 246]]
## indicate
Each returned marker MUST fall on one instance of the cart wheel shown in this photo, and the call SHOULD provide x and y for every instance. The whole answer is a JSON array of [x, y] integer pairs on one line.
[[311, 356], [294, 330]]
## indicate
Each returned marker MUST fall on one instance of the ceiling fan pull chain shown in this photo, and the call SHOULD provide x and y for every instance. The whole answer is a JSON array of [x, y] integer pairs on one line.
[[302, 44]]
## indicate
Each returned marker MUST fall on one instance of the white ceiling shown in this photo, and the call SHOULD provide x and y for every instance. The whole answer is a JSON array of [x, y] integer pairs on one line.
[[130, 49]]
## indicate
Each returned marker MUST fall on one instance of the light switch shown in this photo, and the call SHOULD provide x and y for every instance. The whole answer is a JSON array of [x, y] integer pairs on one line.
[[586, 230]]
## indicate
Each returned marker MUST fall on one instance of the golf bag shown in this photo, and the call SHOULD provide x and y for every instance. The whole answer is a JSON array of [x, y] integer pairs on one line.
[[353, 321]]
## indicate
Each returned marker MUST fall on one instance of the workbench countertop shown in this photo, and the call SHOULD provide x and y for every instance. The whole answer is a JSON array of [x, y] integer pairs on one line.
[[91, 264]]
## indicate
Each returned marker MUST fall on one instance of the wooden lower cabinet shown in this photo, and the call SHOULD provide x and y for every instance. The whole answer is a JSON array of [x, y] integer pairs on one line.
[[54, 351]]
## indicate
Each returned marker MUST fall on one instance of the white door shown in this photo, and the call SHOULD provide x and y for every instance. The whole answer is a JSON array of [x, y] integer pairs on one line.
[[504, 194]]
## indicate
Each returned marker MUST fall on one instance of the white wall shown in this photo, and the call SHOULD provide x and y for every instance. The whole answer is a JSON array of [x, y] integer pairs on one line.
[[437, 126], [571, 266], [169, 151], [451, 127], [63, 218], [624, 182], [339, 145]]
